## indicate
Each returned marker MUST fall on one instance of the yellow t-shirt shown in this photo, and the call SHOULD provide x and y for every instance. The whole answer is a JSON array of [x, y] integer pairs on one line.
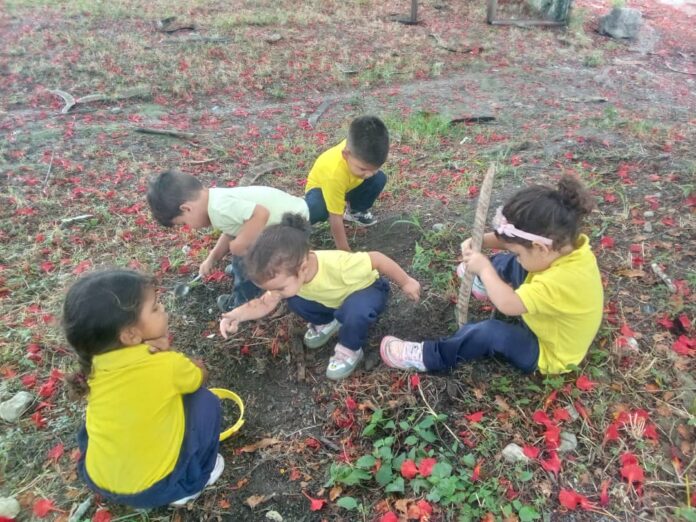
[[332, 175], [230, 208], [340, 274], [564, 307], [135, 416]]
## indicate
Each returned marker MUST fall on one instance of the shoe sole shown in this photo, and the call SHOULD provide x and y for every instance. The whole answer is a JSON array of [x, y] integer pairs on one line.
[[359, 223], [383, 351], [336, 377], [215, 474]]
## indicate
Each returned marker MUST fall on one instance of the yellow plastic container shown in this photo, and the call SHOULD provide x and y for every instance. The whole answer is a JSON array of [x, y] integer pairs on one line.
[[222, 393]]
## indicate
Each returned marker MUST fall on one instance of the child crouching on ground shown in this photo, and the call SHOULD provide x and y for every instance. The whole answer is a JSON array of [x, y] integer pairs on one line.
[[336, 291], [550, 279], [152, 428]]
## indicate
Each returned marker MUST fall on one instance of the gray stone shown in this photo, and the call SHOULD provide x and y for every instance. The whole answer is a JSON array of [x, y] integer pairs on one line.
[[648, 214], [622, 22], [438, 227], [645, 41], [513, 453], [568, 442], [13, 409], [4, 390], [274, 516], [647, 226], [9, 507]]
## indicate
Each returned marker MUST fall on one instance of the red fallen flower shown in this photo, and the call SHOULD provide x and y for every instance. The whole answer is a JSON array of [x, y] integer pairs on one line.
[[626, 331], [550, 399], [408, 469], [582, 412], [415, 380], [633, 474], [685, 322], [552, 464], [650, 432], [351, 405], [612, 432], [477, 471], [585, 384], [315, 504], [530, 451], [571, 500], [425, 508], [607, 242], [552, 436], [389, 516], [474, 417], [56, 452], [29, 381], [561, 414], [684, 346], [102, 515], [604, 494], [425, 466], [666, 322], [38, 420], [313, 443], [540, 417], [47, 389], [627, 459], [43, 507]]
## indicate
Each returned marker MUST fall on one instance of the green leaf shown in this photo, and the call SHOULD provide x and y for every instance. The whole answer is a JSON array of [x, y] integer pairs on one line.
[[528, 513], [390, 425], [411, 440], [427, 435], [441, 470], [469, 460], [525, 476], [348, 503], [405, 426], [688, 514], [427, 422], [369, 430], [384, 475], [366, 462], [395, 487], [385, 453], [354, 477]]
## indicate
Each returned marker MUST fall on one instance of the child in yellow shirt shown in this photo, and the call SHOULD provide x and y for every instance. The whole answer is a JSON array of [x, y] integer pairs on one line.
[[550, 280], [335, 291], [151, 432], [346, 180]]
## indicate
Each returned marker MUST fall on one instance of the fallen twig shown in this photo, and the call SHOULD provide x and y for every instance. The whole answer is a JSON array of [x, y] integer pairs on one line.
[[256, 172], [80, 510], [668, 66], [314, 117], [200, 39], [165, 132], [444, 45], [665, 279], [67, 97], [48, 173], [69, 221]]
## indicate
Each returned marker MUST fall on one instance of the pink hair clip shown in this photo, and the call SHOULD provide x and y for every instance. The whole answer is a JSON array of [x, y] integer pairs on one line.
[[502, 227]]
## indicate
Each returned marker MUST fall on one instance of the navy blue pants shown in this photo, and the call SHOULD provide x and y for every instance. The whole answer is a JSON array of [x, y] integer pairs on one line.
[[196, 461], [357, 313], [243, 289], [514, 342], [360, 199]]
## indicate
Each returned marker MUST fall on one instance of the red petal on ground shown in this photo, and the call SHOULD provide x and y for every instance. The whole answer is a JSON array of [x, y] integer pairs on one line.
[[685, 322], [612, 432], [530, 451], [408, 469], [552, 436], [628, 459], [568, 499], [56, 452], [550, 399], [561, 414], [476, 473], [43, 507], [474, 417], [389, 517], [552, 464], [626, 331], [102, 515], [425, 466], [607, 242], [604, 494], [633, 474], [351, 405], [540, 417], [584, 383], [666, 322], [415, 380], [315, 504]]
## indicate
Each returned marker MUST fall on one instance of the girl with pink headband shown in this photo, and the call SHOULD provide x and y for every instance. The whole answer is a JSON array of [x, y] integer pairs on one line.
[[548, 285]]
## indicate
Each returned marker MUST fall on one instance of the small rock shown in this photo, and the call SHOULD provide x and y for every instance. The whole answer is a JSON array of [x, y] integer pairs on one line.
[[4, 391], [622, 22], [274, 516], [513, 453], [574, 415], [13, 409], [568, 442], [438, 227], [647, 226], [648, 214], [273, 38], [115, 110], [9, 507]]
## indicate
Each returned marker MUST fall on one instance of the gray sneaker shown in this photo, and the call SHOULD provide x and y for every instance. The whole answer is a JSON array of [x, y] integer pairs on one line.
[[343, 362], [318, 336], [226, 302], [364, 219]]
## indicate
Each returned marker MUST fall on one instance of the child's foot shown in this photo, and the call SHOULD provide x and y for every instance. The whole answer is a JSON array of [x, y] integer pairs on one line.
[[214, 475], [477, 288], [402, 354], [343, 362], [226, 302], [318, 335], [365, 219]]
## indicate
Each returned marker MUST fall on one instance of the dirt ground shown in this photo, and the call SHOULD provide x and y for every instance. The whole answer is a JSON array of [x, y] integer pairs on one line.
[[620, 115]]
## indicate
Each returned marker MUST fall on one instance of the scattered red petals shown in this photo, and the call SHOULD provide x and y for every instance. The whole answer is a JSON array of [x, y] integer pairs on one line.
[[474, 417], [530, 451], [604, 494], [315, 504], [390, 516], [583, 383], [571, 500], [425, 466], [43, 507], [551, 464], [102, 515], [415, 380], [56, 452], [607, 242]]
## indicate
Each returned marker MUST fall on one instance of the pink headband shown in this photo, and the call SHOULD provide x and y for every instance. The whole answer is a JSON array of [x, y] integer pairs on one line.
[[502, 227]]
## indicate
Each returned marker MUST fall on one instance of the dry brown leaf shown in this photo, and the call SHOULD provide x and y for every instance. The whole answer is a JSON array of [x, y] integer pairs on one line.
[[255, 500], [335, 493], [503, 405], [240, 483], [263, 443], [478, 393], [631, 272], [401, 505], [224, 503]]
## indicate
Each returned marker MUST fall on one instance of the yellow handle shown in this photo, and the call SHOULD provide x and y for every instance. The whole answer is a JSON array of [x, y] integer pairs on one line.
[[222, 393]]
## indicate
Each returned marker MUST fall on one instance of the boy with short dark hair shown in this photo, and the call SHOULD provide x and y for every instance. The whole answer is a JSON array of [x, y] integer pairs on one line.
[[240, 213], [346, 180]]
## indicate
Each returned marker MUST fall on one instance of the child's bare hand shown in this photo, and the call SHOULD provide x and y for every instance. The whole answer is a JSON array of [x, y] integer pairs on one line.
[[466, 245], [206, 267], [161, 344], [475, 262], [228, 325], [412, 289]]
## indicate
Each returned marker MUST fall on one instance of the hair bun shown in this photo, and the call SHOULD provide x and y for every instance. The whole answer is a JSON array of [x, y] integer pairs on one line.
[[296, 221], [574, 196]]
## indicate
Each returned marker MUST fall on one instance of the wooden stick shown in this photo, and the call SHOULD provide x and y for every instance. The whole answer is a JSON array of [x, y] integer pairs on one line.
[[476, 240], [165, 132]]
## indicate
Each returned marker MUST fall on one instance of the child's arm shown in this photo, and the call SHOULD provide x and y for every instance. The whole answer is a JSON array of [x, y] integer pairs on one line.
[[338, 231], [254, 309], [204, 370], [389, 268], [490, 240], [499, 292], [250, 230], [218, 252]]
